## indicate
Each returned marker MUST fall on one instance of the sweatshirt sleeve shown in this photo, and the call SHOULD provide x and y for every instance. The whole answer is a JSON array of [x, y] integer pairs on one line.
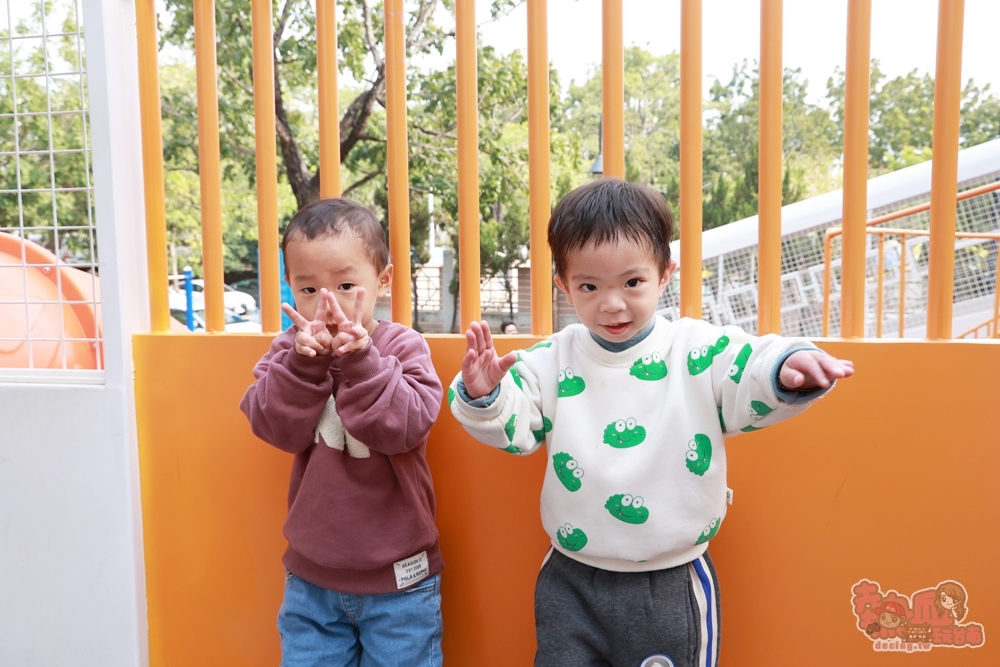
[[744, 378], [390, 395], [288, 395], [513, 421]]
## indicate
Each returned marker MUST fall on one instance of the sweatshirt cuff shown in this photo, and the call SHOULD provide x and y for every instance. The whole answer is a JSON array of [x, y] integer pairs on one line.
[[481, 402], [794, 395], [311, 369], [361, 364]]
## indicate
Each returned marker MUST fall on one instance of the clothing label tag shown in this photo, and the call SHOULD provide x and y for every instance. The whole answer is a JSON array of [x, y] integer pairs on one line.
[[729, 496], [411, 570]]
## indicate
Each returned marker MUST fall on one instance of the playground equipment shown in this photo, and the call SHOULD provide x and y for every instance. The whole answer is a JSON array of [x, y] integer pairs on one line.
[[812, 546], [48, 310]]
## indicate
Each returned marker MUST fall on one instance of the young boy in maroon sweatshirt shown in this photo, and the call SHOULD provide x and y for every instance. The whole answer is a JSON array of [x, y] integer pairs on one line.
[[353, 399]]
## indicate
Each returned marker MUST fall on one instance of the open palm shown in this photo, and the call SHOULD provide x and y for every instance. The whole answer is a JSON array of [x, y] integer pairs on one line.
[[482, 369]]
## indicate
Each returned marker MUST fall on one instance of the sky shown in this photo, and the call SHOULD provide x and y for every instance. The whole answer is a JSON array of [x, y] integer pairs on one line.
[[904, 33]]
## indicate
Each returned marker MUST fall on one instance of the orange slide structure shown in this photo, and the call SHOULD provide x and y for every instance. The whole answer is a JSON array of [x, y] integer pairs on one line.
[[45, 305]]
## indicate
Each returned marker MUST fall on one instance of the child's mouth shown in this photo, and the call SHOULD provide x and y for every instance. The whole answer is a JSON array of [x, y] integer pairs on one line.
[[616, 329]]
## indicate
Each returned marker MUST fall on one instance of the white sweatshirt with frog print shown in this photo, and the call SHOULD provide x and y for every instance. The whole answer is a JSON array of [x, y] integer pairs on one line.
[[636, 479]]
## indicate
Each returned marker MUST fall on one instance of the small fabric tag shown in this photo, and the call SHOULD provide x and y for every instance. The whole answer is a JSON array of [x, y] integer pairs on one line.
[[411, 570], [729, 496]]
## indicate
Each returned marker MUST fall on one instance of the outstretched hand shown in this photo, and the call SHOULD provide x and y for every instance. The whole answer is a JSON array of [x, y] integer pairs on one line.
[[312, 338], [482, 369], [349, 335], [812, 369]]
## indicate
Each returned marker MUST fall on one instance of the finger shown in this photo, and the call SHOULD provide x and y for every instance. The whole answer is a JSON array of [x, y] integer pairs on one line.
[[321, 309], [507, 361], [814, 371], [832, 367], [470, 341], [487, 335], [477, 331], [336, 312], [294, 316], [359, 306]]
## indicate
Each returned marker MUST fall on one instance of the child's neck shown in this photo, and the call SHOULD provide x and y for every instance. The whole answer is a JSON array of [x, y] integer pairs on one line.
[[639, 336]]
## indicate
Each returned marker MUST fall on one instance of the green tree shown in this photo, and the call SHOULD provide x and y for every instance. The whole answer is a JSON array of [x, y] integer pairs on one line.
[[731, 154], [901, 120]]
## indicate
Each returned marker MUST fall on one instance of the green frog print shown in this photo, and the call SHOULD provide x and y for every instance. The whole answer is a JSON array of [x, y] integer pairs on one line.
[[570, 538], [759, 410], [508, 429], [568, 471], [709, 531], [649, 367], [570, 384], [624, 433], [699, 454], [740, 363], [546, 427], [628, 508], [700, 358]]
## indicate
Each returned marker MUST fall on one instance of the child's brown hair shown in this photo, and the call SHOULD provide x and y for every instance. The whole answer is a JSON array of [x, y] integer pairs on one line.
[[331, 217], [607, 210]]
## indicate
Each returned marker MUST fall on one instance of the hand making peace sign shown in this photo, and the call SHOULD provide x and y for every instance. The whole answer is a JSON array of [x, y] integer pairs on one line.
[[313, 338], [330, 331], [351, 335]]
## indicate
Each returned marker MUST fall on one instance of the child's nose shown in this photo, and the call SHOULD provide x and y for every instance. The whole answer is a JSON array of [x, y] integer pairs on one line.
[[612, 303]]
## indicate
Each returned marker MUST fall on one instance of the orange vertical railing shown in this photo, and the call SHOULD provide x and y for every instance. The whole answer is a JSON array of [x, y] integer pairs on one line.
[[856, 107], [466, 89], [904, 234], [770, 159], [944, 171], [267, 168], [398, 178], [691, 155], [540, 198], [209, 171], [152, 165], [613, 89], [329, 105]]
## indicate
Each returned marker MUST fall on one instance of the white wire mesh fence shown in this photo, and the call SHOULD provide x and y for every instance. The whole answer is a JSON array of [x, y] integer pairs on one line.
[[49, 297], [729, 292]]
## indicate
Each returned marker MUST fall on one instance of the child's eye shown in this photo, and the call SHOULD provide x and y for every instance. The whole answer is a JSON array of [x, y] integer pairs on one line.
[[309, 290], [587, 287], [634, 282], [346, 287]]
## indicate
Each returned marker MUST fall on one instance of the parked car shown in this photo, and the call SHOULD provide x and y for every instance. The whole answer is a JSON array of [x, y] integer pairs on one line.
[[234, 323], [235, 300], [250, 286]]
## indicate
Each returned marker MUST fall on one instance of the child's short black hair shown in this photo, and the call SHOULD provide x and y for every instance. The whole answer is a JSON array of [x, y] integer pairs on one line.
[[607, 210], [330, 217]]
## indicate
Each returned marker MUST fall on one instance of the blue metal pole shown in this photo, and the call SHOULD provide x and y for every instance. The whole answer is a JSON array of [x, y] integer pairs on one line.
[[189, 292]]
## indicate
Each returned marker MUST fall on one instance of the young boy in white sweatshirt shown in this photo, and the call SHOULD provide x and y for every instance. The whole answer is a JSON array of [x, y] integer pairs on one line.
[[633, 410]]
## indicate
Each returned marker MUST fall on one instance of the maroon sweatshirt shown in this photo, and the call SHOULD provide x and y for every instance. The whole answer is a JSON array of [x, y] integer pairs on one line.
[[360, 508]]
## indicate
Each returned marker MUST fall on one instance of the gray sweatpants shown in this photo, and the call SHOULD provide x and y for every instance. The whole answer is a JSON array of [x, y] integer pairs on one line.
[[587, 617]]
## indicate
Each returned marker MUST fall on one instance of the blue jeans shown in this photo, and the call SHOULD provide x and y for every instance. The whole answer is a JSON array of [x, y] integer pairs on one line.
[[320, 627]]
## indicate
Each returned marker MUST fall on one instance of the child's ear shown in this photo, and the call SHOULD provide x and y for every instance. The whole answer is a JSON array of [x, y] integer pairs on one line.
[[385, 280], [562, 287], [668, 273]]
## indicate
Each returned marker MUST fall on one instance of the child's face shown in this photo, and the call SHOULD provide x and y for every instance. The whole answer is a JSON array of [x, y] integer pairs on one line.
[[338, 263], [614, 287]]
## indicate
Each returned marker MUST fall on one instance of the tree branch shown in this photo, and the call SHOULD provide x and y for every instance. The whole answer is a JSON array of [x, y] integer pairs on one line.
[[364, 180]]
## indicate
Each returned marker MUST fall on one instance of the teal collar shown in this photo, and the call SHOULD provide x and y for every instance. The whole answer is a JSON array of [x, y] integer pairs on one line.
[[634, 340]]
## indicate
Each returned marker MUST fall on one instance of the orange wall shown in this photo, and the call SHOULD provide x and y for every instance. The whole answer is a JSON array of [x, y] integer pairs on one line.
[[895, 478]]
